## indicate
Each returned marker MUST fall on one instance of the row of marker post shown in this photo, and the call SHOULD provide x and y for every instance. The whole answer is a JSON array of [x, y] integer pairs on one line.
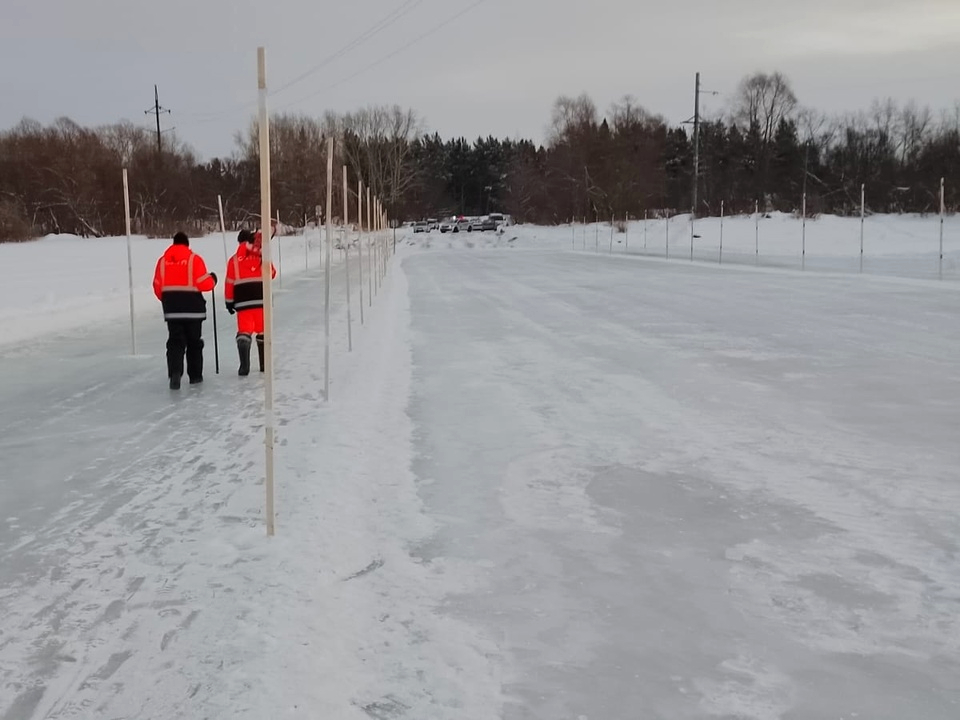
[[378, 254], [756, 214]]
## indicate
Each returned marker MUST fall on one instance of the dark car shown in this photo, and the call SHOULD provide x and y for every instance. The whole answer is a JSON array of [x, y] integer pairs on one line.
[[486, 224]]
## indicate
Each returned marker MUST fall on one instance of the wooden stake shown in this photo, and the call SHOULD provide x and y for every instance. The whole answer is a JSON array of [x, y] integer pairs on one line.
[[721, 232], [326, 289], [943, 213], [803, 235], [223, 231], [863, 215], [756, 215], [379, 243], [126, 211], [369, 255], [667, 250], [265, 215], [360, 241], [346, 247], [279, 252]]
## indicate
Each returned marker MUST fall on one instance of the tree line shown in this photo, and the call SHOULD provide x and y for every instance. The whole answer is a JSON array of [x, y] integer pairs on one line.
[[767, 149]]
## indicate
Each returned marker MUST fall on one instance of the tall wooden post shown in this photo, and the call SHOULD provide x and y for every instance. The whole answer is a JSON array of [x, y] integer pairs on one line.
[[346, 248], [126, 212], [265, 215]]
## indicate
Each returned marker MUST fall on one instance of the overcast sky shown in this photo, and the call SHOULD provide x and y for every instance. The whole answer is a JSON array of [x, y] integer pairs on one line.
[[494, 70]]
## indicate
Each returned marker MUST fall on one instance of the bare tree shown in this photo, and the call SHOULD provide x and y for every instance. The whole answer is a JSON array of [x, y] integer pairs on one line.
[[763, 101], [915, 126], [378, 144], [571, 117], [124, 139], [816, 128], [627, 115]]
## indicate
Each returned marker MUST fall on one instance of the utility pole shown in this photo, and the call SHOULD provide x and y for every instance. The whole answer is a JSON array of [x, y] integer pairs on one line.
[[156, 110], [696, 150], [695, 121], [806, 165]]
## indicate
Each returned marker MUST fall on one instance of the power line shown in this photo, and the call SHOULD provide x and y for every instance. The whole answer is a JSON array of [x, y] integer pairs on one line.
[[359, 40], [370, 32], [380, 61]]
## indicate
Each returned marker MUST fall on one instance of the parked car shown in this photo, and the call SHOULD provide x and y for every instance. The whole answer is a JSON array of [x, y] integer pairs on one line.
[[455, 226], [420, 227], [433, 224], [487, 224]]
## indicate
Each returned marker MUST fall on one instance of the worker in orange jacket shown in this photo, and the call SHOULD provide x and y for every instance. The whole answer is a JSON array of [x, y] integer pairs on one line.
[[244, 295], [179, 282]]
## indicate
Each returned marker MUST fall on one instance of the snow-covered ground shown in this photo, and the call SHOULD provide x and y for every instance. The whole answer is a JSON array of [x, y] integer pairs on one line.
[[898, 245], [64, 282], [548, 484]]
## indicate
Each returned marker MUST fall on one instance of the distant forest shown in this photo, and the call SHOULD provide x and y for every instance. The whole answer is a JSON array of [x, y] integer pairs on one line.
[[767, 149]]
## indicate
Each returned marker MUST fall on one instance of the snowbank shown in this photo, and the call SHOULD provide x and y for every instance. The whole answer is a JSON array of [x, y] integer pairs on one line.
[[64, 282], [899, 245]]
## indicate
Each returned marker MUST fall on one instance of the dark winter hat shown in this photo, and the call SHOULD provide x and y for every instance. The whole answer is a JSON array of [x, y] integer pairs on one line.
[[245, 236], [181, 239]]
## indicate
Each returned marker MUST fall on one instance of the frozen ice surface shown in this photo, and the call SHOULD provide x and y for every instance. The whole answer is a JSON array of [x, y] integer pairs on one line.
[[693, 492], [547, 485]]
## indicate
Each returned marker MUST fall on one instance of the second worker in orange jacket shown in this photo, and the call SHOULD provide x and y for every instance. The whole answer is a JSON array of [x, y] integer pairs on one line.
[[244, 296]]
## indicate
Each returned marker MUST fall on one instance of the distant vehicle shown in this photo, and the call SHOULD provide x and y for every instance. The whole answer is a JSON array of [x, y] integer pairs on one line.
[[433, 224], [498, 218], [456, 225], [487, 224], [420, 227]]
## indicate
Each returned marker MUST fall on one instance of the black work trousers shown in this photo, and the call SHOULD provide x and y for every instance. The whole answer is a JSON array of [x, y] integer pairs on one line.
[[185, 337]]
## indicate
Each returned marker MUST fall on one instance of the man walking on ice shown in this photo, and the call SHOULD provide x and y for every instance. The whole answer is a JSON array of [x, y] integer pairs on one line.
[[244, 294], [179, 282]]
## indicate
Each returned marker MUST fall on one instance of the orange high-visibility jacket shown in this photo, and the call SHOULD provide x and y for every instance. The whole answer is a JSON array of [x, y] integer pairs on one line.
[[244, 282], [179, 282]]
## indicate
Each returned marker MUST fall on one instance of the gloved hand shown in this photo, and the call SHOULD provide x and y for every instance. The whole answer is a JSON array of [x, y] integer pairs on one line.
[[230, 308], [214, 276]]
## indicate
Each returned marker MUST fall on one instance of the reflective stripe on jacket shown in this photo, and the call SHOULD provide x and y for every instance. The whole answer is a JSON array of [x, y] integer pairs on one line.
[[243, 286], [179, 282]]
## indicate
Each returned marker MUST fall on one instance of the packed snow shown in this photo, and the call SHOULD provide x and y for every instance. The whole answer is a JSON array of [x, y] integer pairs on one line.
[[555, 478]]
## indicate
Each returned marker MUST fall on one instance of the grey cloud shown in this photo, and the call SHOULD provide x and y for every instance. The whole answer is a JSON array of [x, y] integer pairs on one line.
[[494, 71]]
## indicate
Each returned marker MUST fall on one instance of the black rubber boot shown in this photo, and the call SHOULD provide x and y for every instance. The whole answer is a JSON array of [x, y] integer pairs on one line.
[[243, 348], [260, 350], [174, 382]]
